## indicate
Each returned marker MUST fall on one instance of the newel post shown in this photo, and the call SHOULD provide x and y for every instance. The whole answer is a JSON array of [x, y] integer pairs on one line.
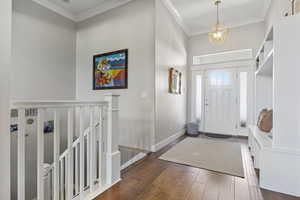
[[112, 151]]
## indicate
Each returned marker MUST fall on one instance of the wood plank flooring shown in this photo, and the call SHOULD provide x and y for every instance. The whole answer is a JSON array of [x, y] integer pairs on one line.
[[154, 179]]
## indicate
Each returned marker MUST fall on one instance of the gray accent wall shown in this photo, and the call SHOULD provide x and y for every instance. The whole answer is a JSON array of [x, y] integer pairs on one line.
[[171, 51], [43, 68], [44, 51], [5, 67], [148, 113], [131, 27]]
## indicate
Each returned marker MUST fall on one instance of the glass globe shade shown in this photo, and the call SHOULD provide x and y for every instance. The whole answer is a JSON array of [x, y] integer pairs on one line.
[[219, 34]]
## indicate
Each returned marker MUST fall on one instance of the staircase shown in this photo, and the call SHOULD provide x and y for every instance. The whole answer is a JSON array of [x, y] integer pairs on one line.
[[89, 164]]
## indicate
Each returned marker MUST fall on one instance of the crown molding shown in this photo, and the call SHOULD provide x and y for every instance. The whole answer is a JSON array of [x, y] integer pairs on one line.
[[267, 7], [105, 6], [230, 26], [169, 5], [57, 9], [108, 5], [173, 11]]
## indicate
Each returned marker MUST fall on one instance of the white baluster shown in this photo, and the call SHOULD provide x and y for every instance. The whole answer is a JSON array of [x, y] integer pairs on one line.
[[87, 164], [40, 154], [21, 154], [56, 153], [100, 138], [76, 170], [92, 149], [70, 156], [62, 178], [81, 157]]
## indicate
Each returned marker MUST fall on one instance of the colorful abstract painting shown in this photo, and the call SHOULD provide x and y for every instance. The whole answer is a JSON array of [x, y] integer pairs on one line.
[[110, 70]]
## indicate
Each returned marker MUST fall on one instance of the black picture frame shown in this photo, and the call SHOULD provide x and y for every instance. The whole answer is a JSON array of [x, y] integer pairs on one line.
[[125, 86]]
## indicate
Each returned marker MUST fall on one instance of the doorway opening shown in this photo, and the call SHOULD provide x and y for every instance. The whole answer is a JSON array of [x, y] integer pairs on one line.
[[221, 100]]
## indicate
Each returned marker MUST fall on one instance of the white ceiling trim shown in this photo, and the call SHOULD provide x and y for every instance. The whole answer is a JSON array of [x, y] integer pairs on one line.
[[169, 5], [56, 8], [227, 56], [190, 33], [232, 25], [105, 6], [267, 7]]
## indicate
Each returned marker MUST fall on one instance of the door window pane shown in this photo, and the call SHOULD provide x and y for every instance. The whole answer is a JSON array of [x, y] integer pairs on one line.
[[198, 97], [243, 99], [219, 78]]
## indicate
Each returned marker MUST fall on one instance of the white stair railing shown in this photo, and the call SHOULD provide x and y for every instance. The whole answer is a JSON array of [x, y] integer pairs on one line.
[[90, 163]]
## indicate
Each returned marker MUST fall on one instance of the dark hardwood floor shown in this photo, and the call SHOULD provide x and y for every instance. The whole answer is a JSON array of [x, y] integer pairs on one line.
[[154, 179]]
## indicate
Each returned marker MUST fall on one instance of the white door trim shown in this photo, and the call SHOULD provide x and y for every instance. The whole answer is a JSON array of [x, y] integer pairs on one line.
[[234, 64], [193, 97], [240, 66], [223, 57], [250, 98]]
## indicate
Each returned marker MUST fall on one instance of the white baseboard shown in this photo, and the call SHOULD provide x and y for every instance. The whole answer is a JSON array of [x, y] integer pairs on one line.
[[293, 192], [167, 141], [133, 160], [279, 170]]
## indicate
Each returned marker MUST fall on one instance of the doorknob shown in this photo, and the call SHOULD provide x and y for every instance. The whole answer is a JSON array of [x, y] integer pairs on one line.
[[206, 104]]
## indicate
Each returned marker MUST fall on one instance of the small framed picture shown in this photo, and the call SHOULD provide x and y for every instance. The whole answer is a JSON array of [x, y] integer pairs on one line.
[[49, 126], [296, 6], [174, 81]]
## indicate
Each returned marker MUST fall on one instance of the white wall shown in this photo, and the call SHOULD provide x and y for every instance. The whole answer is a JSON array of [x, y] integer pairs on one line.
[[5, 59], [171, 51], [286, 79], [129, 26], [43, 53]]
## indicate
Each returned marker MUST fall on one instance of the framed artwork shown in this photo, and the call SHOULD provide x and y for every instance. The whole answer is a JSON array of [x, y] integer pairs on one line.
[[111, 70], [174, 81], [49, 126], [296, 7]]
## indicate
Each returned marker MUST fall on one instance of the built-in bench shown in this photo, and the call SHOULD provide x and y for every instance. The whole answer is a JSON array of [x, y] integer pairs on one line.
[[258, 141]]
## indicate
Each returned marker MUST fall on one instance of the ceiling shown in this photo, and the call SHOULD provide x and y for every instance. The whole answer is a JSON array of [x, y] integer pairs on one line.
[[198, 16], [79, 10], [77, 6], [195, 16]]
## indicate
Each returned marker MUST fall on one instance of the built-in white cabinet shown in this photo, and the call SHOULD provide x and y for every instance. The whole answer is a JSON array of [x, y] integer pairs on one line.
[[277, 81]]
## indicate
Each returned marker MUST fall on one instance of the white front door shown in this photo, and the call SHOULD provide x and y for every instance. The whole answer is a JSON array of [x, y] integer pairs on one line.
[[220, 102]]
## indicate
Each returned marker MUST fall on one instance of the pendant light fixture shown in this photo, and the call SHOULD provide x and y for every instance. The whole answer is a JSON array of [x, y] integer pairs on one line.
[[219, 32]]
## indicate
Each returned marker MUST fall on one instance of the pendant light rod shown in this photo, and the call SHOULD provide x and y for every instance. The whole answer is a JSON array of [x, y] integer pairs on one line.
[[217, 2]]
